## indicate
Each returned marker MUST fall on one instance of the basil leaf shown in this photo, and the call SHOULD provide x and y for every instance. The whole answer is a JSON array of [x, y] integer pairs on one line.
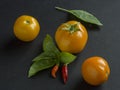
[[49, 57], [44, 55], [49, 46], [83, 15], [46, 59], [41, 65], [66, 57]]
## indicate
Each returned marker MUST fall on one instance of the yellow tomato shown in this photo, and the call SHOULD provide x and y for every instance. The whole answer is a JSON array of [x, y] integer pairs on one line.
[[71, 37], [26, 28], [95, 70]]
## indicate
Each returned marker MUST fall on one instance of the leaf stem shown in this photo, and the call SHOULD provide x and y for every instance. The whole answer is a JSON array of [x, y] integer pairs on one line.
[[62, 9]]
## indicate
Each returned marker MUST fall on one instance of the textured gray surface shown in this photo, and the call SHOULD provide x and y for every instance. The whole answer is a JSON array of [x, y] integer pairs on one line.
[[16, 56]]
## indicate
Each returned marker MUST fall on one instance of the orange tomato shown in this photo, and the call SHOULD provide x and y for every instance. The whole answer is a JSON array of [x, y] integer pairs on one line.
[[71, 37], [95, 70], [26, 28]]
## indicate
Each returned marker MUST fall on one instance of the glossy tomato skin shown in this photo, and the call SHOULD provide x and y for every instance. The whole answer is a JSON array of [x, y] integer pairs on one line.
[[26, 28], [71, 41], [95, 70]]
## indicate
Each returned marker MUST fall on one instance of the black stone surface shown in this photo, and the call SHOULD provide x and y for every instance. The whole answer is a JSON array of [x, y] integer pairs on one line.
[[16, 56]]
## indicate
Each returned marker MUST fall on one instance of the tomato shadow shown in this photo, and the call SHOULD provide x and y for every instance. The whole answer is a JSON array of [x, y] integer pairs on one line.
[[14, 48], [12, 45], [82, 85], [89, 26]]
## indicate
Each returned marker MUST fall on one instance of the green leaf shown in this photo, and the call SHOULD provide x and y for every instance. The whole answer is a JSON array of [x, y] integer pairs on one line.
[[83, 15], [44, 55], [66, 57], [46, 59], [41, 65], [49, 46]]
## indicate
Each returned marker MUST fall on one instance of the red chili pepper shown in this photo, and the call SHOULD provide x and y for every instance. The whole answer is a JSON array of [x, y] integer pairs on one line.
[[65, 73], [54, 70]]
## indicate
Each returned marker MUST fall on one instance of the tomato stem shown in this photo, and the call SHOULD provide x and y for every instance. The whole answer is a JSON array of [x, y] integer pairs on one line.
[[27, 22], [71, 28]]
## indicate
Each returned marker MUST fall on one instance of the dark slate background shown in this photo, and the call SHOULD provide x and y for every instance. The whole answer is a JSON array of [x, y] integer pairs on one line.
[[16, 56]]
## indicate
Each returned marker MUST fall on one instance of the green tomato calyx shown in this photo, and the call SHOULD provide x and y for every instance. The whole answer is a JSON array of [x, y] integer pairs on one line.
[[71, 28]]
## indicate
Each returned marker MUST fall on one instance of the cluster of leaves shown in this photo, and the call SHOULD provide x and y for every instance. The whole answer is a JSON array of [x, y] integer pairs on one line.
[[49, 57]]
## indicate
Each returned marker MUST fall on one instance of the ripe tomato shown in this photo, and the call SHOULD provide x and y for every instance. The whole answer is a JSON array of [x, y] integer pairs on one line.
[[71, 37], [95, 70], [26, 28]]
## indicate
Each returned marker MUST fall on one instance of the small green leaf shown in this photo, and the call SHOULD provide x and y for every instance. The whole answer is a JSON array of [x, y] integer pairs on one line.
[[41, 65], [49, 46], [83, 15], [66, 57], [44, 55]]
